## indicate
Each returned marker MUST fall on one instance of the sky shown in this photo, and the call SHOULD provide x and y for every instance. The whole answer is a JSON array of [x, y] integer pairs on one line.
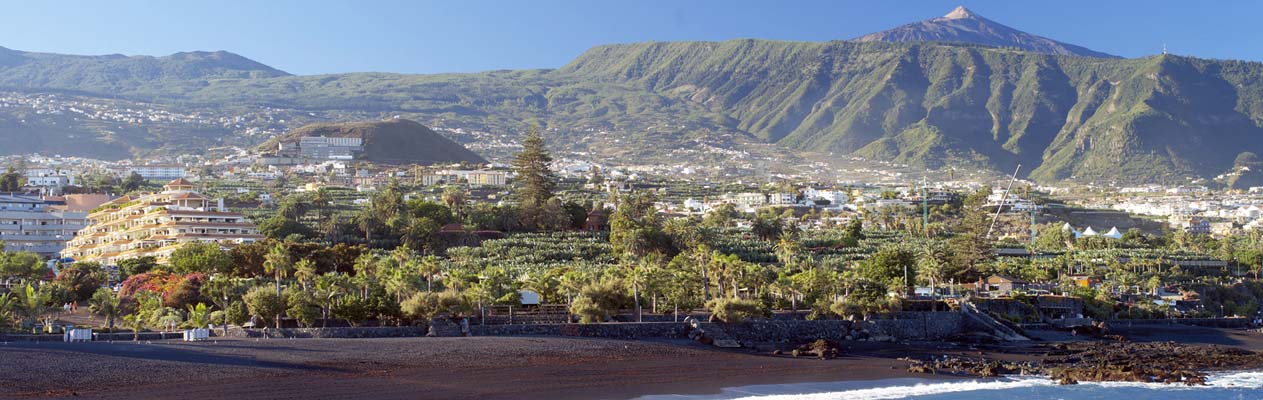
[[418, 36]]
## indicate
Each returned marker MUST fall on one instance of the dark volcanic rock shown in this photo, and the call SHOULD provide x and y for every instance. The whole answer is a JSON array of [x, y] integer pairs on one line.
[[1071, 363]]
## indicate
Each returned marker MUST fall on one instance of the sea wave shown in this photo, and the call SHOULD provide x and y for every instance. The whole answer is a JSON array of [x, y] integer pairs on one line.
[[1246, 379], [1226, 380], [922, 389]]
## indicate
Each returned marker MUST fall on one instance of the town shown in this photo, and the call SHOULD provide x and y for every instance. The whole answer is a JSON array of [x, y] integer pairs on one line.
[[569, 237], [679, 200]]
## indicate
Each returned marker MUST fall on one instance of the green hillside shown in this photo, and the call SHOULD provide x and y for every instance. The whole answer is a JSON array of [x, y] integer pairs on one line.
[[929, 104], [125, 74], [932, 104]]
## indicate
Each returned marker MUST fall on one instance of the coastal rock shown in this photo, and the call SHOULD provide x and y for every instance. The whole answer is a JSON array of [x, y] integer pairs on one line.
[[1107, 361]]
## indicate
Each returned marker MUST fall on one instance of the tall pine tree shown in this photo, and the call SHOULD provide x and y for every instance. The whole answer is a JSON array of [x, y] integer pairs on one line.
[[535, 182]]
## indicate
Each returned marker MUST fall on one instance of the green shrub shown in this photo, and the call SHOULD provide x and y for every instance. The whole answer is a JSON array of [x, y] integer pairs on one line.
[[264, 303], [236, 313], [866, 299], [301, 306], [354, 310], [596, 302], [587, 310], [217, 317], [733, 310], [429, 305]]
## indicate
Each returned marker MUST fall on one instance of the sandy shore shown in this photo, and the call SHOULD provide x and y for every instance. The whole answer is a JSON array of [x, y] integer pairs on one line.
[[482, 367], [462, 368]]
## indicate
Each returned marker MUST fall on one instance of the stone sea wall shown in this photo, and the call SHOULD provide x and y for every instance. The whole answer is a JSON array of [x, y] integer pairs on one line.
[[919, 325], [899, 326], [328, 333], [620, 330]]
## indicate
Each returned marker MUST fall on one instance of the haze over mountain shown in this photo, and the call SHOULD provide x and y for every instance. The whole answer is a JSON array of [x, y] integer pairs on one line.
[[937, 103], [963, 25]]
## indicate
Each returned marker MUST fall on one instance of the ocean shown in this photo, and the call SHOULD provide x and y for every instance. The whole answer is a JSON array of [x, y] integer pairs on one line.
[[1228, 385]]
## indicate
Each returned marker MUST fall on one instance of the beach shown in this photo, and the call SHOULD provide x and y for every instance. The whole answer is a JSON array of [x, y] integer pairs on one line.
[[465, 368], [479, 367]]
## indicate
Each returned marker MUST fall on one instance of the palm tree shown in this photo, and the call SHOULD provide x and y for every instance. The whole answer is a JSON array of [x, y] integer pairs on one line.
[[34, 305], [571, 283], [367, 222], [788, 250], [304, 272], [930, 266], [541, 283], [637, 274], [148, 304], [278, 263], [329, 287], [428, 267], [7, 304], [105, 304], [455, 199], [199, 315], [136, 322], [784, 287], [320, 201]]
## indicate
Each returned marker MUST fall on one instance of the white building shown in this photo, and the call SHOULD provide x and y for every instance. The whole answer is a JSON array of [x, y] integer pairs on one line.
[[27, 224], [694, 205], [466, 177], [781, 199], [159, 172], [836, 198], [337, 148], [748, 199]]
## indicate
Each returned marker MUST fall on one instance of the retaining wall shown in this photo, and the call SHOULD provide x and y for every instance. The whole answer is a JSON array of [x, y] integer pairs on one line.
[[779, 331], [330, 333], [621, 330], [919, 325], [100, 337]]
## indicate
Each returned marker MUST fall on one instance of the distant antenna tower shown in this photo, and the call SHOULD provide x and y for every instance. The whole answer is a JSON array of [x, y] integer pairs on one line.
[[1164, 49]]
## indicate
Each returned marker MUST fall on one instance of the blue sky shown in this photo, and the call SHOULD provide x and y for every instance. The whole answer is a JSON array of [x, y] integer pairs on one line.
[[317, 36]]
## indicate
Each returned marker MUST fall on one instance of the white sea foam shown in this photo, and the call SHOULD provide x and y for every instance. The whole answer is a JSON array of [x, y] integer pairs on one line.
[[1247, 380], [1230, 380]]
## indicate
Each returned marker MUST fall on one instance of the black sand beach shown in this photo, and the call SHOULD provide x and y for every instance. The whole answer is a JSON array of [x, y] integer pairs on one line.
[[464, 368]]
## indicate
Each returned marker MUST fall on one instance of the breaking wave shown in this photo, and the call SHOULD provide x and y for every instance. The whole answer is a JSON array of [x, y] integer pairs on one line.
[[1226, 385]]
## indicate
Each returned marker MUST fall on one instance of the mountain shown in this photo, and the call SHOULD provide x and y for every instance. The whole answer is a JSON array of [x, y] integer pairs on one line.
[[939, 104], [394, 141], [119, 73], [935, 104], [964, 26]]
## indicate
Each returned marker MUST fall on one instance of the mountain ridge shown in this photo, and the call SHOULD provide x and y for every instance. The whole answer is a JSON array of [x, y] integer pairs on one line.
[[114, 73], [927, 103], [963, 25]]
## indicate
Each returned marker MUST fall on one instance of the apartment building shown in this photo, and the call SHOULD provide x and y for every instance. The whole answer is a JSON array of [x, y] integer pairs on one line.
[[465, 177], [158, 172], [156, 224], [27, 223]]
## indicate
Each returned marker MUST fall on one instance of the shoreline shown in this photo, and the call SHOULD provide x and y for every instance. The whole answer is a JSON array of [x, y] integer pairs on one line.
[[549, 368], [479, 367], [900, 387]]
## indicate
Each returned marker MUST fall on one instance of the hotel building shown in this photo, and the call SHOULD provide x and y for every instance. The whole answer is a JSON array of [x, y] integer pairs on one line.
[[156, 224]]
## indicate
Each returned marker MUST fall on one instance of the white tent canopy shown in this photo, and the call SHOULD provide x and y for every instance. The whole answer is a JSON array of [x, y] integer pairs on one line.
[[1114, 233]]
